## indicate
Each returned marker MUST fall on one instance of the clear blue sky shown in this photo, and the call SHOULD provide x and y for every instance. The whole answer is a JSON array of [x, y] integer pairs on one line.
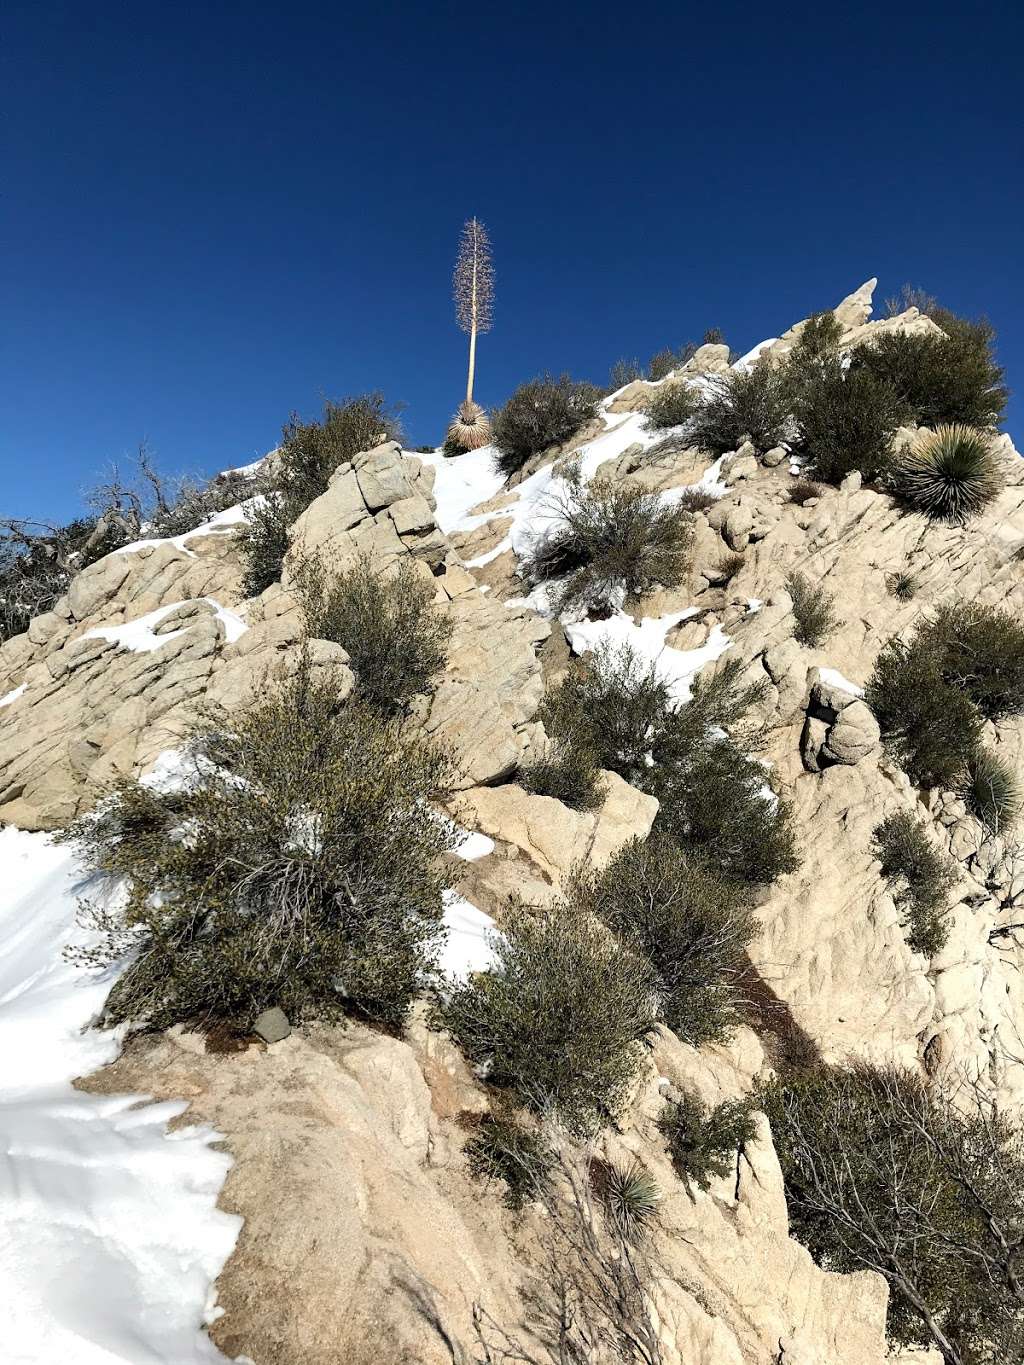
[[217, 213]]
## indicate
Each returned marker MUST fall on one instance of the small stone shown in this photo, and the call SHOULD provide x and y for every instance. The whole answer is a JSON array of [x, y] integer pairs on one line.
[[774, 456], [272, 1025]]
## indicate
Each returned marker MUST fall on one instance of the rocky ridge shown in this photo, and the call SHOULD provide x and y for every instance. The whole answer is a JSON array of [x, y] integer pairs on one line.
[[362, 1225]]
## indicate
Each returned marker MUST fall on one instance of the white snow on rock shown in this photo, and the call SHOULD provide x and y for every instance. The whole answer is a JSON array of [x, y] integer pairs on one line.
[[676, 667], [110, 1238], [13, 695], [220, 522], [834, 678], [748, 361], [462, 482], [139, 636], [468, 946]]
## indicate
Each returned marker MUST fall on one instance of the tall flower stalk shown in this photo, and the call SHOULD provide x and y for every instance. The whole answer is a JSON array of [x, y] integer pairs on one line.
[[474, 298]]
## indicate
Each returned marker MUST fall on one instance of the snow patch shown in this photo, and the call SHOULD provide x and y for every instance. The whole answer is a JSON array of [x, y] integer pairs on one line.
[[12, 696], [468, 947], [220, 522], [139, 636], [110, 1238], [834, 678], [677, 668]]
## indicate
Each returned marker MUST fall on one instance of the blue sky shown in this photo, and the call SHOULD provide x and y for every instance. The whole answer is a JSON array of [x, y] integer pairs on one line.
[[217, 214]]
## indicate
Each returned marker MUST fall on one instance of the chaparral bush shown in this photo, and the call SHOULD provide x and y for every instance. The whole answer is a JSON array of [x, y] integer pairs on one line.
[[671, 405], [814, 618], [920, 876], [299, 865], [567, 772], [541, 413], [385, 619], [753, 404], [703, 1142]]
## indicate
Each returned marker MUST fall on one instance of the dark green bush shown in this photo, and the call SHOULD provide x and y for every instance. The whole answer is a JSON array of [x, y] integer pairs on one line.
[[688, 921], [930, 727], [384, 618], [663, 362], [814, 618], [884, 1174], [992, 791], [696, 500], [624, 372], [561, 1017], [980, 650], [671, 405], [703, 1142], [609, 537], [846, 418], [567, 772], [920, 876], [504, 1148], [609, 704], [953, 378], [950, 474], [541, 413], [301, 866], [752, 405], [309, 454]]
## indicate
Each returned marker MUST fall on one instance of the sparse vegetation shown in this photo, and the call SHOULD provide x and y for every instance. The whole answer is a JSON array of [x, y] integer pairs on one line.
[[703, 1142], [936, 380], [980, 650], [728, 567], [950, 474], [992, 791], [567, 772], [541, 413], [696, 500], [505, 1148], [885, 1174], [384, 617], [691, 924], [803, 490], [663, 362], [623, 372], [753, 405], [560, 1018], [610, 537], [309, 454], [814, 618], [671, 405], [300, 865], [920, 877]]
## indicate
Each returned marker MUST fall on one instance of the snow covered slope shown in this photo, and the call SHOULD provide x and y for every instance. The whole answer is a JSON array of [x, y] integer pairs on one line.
[[109, 1232]]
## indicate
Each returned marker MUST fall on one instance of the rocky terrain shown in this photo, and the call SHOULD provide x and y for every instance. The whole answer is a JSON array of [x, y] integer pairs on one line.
[[365, 1236]]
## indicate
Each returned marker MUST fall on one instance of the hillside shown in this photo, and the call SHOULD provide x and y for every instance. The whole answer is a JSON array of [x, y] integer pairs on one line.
[[321, 1189]]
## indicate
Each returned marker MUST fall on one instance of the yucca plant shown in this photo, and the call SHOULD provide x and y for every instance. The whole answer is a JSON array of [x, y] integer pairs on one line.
[[630, 1195], [950, 473], [474, 297], [992, 792], [902, 584]]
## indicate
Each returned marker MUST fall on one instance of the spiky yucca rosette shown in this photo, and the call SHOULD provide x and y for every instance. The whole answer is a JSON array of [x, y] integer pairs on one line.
[[470, 427], [950, 473]]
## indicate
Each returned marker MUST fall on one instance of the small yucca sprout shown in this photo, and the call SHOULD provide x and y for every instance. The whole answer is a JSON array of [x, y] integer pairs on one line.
[[903, 585], [950, 473], [470, 428], [992, 792], [631, 1197]]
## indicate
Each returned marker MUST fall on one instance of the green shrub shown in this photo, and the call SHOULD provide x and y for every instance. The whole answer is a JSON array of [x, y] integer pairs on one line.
[[936, 380], [569, 774], [560, 1017], [504, 1148], [703, 1142], [740, 405], [992, 791], [630, 1196], [609, 704], [688, 921], [884, 1174], [671, 405], [814, 618], [385, 619], [714, 800], [950, 474], [727, 568], [803, 490], [903, 584], [980, 650], [929, 727], [845, 417], [609, 537], [301, 866], [309, 454], [696, 500], [920, 877], [663, 362], [541, 413]]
